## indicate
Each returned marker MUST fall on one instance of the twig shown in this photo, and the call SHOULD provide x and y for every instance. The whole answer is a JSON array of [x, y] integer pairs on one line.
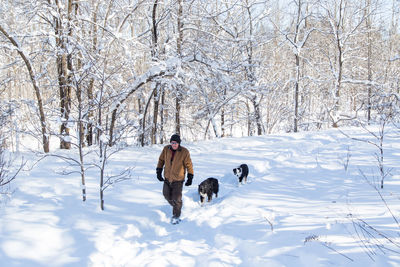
[[325, 245], [270, 223], [382, 198]]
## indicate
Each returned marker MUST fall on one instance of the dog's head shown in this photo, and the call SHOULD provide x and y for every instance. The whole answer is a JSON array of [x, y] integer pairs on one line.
[[237, 171], [205, 187], [202, 188]]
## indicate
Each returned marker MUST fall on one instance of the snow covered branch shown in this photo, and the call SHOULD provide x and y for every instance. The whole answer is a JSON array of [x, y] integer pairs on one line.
[[168, 69]]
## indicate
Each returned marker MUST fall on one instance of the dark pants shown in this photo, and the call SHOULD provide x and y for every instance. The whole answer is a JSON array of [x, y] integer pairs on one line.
[[173, 194]]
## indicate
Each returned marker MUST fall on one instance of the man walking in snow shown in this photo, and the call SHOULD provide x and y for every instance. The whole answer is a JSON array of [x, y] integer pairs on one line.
[[176, 162]]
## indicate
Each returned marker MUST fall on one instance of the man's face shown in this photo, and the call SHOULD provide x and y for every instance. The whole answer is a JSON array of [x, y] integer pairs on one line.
[[174, 145]]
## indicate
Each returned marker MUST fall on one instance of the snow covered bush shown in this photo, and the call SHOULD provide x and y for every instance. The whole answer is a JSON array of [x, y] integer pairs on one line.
[[6, 162]]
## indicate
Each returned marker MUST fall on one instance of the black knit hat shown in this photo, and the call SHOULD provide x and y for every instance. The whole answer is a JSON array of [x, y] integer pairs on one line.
[[176, 138]]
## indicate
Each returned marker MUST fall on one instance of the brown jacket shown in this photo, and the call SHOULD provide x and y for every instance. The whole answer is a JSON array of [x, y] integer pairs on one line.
[[175, 170]]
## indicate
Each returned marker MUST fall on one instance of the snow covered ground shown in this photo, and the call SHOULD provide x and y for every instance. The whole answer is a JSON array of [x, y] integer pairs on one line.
[[300, 207]]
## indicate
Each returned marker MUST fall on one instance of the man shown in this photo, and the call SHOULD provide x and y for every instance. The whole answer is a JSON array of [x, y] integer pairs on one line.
[[176, 162]]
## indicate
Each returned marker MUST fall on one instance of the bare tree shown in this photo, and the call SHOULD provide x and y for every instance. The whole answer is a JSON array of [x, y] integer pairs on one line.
[[297, 38], [254, 96], [345, 24], [63, 33], [33, 77], [157, 86], [179, 43], [386, 111]]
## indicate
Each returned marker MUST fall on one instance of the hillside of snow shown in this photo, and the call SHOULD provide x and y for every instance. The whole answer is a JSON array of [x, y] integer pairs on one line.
[[310, 200]]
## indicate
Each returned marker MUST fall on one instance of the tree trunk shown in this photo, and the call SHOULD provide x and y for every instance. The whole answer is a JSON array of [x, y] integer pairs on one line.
[[338, 82], [80, 141], [154, 53], [223, 117], [296, 95], [162, 134], [177, 114], [90, 89], [257, 114], [222, 122], [154, 50], [249, 120], [101, 189], [144, 117], [64, 68], [179, 52], [297, 71], [90, 118], [155, 115], [102, 167], [369, 28], [142, 120], [65, 102]]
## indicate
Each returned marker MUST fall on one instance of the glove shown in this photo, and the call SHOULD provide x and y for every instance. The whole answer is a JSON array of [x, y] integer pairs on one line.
[[159, 176], [189, 179]]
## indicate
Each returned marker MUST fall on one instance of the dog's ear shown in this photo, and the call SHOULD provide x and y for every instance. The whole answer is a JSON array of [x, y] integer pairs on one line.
[[234, 171]]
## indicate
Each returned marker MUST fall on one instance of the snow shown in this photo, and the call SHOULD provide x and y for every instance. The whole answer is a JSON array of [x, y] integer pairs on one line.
[[300, 207]]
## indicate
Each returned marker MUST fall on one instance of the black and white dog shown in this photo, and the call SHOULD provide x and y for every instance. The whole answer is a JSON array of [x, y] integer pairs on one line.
[[207, 188], [242, 172]]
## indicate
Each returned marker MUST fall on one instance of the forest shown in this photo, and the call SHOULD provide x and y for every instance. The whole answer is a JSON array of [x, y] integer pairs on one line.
[[306, 92], [117, 72]]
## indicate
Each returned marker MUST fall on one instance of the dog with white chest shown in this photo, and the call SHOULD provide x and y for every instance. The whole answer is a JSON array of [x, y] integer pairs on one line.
[[241, 172], [207, 188]]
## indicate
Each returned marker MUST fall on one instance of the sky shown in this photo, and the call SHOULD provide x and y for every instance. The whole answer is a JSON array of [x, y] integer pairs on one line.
[[311, 200]]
